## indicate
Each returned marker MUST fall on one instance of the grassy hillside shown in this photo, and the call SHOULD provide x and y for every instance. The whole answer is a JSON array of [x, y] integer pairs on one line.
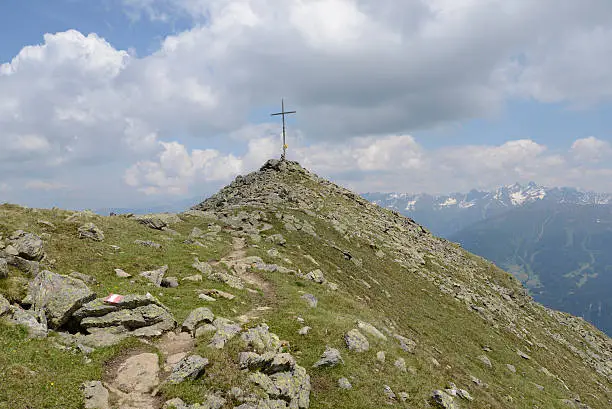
[[442, 312]]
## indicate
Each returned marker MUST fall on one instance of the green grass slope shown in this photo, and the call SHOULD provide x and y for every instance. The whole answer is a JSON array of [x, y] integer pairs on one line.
[[454, 307]]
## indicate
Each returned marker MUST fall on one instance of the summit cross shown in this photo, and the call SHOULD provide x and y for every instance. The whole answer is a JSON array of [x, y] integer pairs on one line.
[[283, 113]]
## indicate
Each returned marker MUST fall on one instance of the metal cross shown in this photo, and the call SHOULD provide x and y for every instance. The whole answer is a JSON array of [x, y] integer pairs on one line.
[[283, 113]]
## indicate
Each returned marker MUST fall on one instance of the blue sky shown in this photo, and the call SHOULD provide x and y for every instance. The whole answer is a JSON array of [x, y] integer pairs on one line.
[[136, 102]]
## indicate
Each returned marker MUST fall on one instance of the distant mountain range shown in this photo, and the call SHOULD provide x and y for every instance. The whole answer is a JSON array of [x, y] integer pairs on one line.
[[556, 241], [447, 214]]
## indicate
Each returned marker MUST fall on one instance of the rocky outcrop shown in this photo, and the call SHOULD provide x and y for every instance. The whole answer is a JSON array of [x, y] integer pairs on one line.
[[57, 296], [137, 315]]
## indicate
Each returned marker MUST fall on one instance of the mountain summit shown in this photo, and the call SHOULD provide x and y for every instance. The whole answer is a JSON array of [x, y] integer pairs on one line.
[[292, 292]]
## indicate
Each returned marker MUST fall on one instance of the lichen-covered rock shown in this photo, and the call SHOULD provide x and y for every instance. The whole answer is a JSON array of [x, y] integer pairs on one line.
[[190, 367], [31, 268], [155, 276], [58, 296], [330, 358], [169, 282], [485, 360], [91, 231], [87, 279], [28, 245], [400, 363], [220, 276], [356, 341], [261, 340], [196, 318], [131, 319], [226, 330], [268, 363], [406, 344]]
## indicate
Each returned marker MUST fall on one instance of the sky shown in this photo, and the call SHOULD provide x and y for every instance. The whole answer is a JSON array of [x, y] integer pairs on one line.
[[127, 103]]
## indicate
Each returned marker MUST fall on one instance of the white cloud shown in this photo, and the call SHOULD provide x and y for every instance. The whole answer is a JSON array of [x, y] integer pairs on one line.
[[177, 170], [591, 149]]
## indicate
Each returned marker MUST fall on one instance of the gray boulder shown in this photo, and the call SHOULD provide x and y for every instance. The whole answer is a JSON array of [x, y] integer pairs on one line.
[[91, 231], [58, 296], [196, 318], [190, 367], [155, 276], [28, 246], [170, 282], [330, 358], [152, 222], [29, 267], [356, 341]]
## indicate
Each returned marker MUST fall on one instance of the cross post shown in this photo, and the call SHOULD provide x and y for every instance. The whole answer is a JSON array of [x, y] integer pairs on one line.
[[283, 113]]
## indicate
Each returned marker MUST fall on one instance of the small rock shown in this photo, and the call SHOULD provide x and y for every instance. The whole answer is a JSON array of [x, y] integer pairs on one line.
[[371, 330], [95, 395], [5, 306], [310, 299], [273, 253], [190, 367], [380, 355], [330, 358], [122, 274], [522, 354], [356, 341], [206, 298], [443, 400], [316, 276], [169, 282], [403, 396], [485, 360], [4, 270], [304, 330], [389, 392], [400, 363], [148, 243], [344, 383], [155, 276], [511, 368], [90, 231]]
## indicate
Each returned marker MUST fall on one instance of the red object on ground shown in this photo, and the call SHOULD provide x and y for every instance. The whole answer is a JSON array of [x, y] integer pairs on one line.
[[113, 298]]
